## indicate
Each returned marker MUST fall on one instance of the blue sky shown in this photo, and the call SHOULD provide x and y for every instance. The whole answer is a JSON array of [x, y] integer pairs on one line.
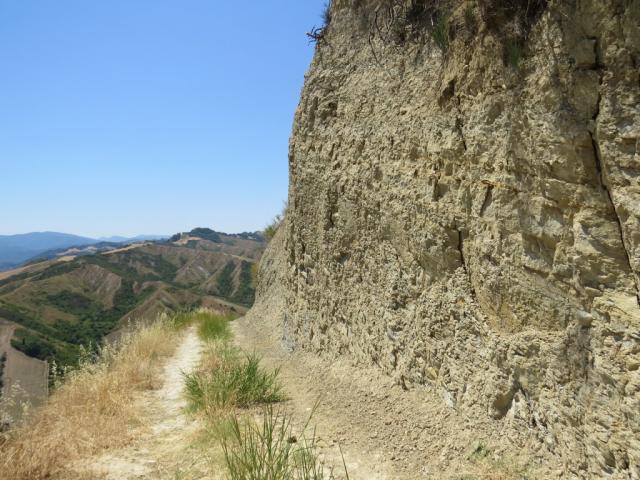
[[148, 116]]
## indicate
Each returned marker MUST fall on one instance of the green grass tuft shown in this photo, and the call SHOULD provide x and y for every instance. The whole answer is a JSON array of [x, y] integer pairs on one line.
[[513, 53], [440, 33], [233, 380], [213, 326], [269, 451]]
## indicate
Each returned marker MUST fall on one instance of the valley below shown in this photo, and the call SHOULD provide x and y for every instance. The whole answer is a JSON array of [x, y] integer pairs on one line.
[[57, 310]]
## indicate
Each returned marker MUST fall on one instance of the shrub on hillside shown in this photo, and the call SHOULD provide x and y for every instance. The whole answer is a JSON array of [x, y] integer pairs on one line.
[[400, 22], [271, 229]]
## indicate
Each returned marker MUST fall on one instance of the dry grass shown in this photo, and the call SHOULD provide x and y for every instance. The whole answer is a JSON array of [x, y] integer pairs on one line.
[[92, 410]]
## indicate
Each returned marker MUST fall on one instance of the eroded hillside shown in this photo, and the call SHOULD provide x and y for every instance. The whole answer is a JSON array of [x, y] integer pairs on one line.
[[463, 213]]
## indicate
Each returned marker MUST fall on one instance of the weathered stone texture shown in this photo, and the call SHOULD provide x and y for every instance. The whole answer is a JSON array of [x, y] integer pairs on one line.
[[475, 227]]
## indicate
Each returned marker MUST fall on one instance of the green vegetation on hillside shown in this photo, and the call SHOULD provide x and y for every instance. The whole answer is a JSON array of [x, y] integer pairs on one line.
[[72, 302], [63, 305], [224, 281], [3, 361], [245, 293], [37, 346], [58, 269], [136, 265], [206, 234], [60, 339]]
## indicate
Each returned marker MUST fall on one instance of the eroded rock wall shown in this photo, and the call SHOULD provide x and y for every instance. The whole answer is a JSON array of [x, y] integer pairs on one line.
[[473, 226]]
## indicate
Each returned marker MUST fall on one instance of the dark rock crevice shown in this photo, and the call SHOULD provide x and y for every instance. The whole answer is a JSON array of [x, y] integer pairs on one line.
[[463, 262], [602, 180]]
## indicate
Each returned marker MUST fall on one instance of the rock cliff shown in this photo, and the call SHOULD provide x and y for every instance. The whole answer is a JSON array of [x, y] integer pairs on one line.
[[464, 212]]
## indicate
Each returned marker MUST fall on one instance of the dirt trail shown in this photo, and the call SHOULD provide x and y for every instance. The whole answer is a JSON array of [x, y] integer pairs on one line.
[[159, 452], [342, 419], [384, 431], [165, 448]]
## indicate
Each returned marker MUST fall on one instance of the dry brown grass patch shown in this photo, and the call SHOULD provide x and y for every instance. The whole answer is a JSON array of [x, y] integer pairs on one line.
[[92, 410]]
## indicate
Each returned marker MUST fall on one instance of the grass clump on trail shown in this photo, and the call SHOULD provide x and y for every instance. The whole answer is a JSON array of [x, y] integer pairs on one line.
[[92, 409], [268, 450], [229, 381], [228, 378], [213, 326]]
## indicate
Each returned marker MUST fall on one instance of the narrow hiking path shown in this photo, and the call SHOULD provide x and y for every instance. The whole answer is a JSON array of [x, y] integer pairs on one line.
[[166, 445], [382, 431], [165, 431]]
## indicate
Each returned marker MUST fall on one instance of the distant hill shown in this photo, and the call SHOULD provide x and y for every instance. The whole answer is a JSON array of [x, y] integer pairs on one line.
[[217, 237], [139, 238], [60, 304], [16, 249]]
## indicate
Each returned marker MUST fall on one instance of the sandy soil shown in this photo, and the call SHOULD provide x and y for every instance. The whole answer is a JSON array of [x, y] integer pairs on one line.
[[160, 449]]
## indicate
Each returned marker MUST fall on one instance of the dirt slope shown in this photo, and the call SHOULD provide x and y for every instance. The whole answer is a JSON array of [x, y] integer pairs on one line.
[[24, 378], [385, 431]]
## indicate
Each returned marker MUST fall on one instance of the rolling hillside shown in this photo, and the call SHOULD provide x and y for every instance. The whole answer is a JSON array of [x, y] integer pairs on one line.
[[57, 305]]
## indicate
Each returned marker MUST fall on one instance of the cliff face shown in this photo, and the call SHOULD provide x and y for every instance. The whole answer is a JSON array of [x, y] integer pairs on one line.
[[473, 225]]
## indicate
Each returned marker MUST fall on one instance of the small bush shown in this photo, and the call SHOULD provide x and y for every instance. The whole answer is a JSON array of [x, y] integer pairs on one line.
[[269, 451], [3, 361], [326, 14], [470, 19], [511, 17], [209, 322], [182, 320], [317, 34], [270, 230]]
